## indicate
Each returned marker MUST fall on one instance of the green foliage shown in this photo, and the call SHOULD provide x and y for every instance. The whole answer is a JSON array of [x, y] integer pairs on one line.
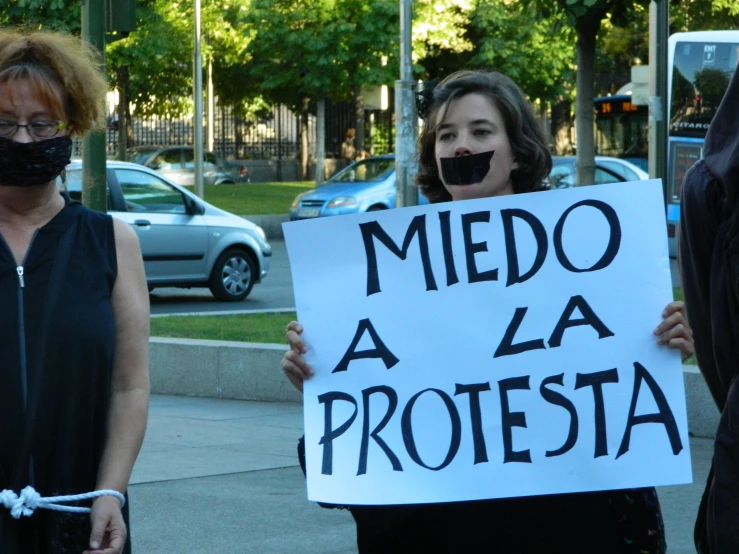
[[59, 15], [536, 52], [703, 15], [304, 48]]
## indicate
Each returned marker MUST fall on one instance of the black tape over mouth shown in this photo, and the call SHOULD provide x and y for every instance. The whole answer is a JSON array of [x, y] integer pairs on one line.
[[466, 170]]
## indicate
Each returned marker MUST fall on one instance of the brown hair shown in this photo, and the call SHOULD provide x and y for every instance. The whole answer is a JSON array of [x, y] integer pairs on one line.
[[65, 71], [528, 145]]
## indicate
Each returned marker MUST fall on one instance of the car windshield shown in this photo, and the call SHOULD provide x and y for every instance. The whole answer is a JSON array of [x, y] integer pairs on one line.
[[373, 170], [139, 155]]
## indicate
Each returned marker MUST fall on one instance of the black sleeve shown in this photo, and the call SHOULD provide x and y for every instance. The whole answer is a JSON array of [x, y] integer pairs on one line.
[[699, 221]]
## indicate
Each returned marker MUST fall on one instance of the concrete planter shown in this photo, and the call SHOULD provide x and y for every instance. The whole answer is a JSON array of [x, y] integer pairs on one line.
[[251, 371]]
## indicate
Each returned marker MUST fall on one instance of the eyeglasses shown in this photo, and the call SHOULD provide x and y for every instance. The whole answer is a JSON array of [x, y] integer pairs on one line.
[[41, 128]]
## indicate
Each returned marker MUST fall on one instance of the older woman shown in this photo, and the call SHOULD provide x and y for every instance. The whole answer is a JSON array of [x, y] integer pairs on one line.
[[74, 325]]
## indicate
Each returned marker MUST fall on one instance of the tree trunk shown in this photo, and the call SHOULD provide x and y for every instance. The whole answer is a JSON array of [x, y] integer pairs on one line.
[[359, 108], [305, 104], [320, 139], [562, 128], [587, 30]]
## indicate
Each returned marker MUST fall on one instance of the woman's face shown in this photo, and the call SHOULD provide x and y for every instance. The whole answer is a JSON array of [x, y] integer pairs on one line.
[[473, 125], [21, 103]]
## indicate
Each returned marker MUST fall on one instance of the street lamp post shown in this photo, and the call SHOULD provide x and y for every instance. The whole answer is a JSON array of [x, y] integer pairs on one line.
[[198, 100], [406, 120]]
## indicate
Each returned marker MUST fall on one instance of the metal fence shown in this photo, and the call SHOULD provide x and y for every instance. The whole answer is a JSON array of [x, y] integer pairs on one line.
[[274, 136]]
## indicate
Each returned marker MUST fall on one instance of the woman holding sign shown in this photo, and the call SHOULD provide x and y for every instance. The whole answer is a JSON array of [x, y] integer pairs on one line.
[[481, 140]]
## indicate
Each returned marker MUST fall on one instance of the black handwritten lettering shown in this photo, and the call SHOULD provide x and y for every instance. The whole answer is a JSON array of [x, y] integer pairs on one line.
[[471, 248], [329, 433], [509, 419], [566, 321], [372, 229], [392, 398], [478, 438], [540, 234], [446, 243], [379, 351], [558, 399], [614, 240], [597, 380], [407, 429], [663, 416], [506, 346]]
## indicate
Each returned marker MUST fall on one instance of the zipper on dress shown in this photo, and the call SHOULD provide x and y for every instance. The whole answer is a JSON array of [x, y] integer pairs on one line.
[[19, 270]]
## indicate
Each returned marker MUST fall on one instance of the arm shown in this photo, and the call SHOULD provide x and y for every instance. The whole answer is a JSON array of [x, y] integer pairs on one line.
[[130, 391], [698, 229]]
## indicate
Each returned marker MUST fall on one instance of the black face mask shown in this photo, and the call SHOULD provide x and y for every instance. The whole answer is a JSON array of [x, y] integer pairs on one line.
[[28, 164]]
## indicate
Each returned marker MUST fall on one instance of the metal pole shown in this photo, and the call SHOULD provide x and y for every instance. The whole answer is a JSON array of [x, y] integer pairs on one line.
[[211, 108], [658, 34], [198, 99], [320, 139], [94, 190], [406, 120]]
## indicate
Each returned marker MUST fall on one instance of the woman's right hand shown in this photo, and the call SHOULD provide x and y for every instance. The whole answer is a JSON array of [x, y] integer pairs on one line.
[[293, 364]]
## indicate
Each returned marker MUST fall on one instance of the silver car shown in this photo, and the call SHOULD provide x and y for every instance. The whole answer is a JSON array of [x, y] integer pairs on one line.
[[185, 241], [177, 163]]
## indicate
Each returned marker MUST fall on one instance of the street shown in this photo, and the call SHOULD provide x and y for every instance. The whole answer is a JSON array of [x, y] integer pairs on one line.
[[274, 293]]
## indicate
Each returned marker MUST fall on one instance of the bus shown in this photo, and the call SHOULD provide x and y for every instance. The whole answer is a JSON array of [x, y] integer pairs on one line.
[[622, 128], [700, 66]]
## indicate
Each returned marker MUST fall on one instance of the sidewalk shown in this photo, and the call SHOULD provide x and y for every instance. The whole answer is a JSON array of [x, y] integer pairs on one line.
[[222, 476]]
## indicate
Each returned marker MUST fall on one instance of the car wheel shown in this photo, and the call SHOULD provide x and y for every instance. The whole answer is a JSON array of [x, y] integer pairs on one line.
[[233, 275]]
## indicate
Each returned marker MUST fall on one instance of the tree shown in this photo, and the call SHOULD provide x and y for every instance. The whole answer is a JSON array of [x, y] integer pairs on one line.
[[301, 50], [59, 15]]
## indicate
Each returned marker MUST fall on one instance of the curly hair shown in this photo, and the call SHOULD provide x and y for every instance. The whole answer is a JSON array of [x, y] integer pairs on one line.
[[65, 71], [528, 144]]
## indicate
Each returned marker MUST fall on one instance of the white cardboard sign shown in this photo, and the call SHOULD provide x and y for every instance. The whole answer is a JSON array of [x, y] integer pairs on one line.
[[490, 348]]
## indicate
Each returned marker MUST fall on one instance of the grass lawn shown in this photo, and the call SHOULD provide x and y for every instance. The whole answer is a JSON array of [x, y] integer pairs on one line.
[[269, 328], [256, 198]]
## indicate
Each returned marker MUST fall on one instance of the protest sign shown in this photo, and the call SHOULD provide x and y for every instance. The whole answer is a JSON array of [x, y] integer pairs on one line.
[[490, 348]]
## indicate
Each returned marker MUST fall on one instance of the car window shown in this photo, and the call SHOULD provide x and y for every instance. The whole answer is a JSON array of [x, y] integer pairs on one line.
[[171, 159], [375, 170], [603, 176], [210, 160], [73, 185], [139, 155], [562, 176], [147, 193], [620, 169], [189, 158]]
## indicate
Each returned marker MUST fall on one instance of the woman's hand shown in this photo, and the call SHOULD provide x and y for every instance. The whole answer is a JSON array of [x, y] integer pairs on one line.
[[293, 364], [108, 528], [674, 330]]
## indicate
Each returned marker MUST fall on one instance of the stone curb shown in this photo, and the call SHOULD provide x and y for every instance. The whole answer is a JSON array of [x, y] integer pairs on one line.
[[251, 371], [272, 224]]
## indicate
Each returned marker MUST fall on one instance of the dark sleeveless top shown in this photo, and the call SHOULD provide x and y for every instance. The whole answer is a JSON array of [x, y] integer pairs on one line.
[[59, 347]]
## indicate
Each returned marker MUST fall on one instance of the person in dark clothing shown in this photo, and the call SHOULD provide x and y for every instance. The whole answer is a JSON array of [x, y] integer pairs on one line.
[[469, 114], [709, 264], [74, 322]]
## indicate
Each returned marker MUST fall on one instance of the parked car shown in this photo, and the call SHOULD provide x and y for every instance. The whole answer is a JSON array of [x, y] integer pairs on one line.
[[363, 186], [177, 163], [607, 170], [185, 241]]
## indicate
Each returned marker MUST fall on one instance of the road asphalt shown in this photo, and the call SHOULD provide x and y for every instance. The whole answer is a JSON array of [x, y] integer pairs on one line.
[[221, 476]]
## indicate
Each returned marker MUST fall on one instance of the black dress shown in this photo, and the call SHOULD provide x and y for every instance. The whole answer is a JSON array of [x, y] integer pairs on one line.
[[57, 346]]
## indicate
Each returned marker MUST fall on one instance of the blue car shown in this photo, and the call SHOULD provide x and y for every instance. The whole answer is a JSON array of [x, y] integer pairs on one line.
[[364, 186]]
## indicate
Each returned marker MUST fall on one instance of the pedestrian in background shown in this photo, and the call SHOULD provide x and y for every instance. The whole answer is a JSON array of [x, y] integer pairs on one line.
[[348, 149], [472, 114], [709, 266], [74, 322]]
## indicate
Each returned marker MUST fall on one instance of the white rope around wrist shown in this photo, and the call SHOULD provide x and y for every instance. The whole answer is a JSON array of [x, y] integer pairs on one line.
[[29, 500]]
